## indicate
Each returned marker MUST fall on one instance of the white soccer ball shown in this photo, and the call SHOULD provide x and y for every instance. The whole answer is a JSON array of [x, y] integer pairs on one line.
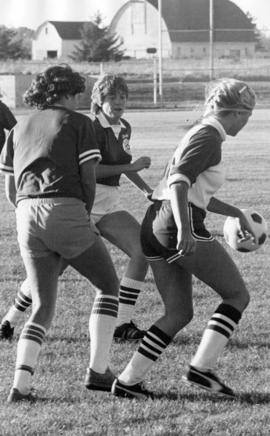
[[232, 233]]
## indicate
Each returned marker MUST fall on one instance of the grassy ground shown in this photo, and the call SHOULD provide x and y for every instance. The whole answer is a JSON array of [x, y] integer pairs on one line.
[[65, 406]]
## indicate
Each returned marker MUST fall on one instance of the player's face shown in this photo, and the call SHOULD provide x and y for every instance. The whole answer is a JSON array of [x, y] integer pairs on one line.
[[240, 120], [114, 106]]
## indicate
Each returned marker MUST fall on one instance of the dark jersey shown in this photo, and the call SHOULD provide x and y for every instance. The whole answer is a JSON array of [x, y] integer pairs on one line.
[[114, 150], [44, 152], [7, 122]]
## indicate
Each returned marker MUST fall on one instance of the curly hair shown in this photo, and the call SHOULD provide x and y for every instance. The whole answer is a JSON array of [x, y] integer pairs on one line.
[[105, 85], [55, 82], [230, 95]]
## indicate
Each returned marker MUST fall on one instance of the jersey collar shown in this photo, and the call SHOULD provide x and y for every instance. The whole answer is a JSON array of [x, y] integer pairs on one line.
[[212, 121], [105, 123]]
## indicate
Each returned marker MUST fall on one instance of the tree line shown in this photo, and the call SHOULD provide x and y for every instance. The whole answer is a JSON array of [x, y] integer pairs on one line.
[[97, 44]]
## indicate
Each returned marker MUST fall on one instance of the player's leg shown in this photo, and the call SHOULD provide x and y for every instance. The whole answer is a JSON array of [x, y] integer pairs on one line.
[[212, 264], [123, 231], [22, 301], [175, 287], [95, 264], [42, 273]]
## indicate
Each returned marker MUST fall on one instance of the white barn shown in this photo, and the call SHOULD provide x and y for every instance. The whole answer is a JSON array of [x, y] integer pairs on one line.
[[56, 39]]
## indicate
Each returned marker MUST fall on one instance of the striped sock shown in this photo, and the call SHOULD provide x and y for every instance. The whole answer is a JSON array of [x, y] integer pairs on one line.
[[28, 350], [216, 335], [101, 327], [129, 292], [22, 301], [152, 345]]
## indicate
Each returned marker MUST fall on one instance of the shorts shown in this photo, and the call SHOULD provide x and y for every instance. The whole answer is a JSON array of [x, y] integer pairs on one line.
[[159, 231], [107, 200], [58, 225]]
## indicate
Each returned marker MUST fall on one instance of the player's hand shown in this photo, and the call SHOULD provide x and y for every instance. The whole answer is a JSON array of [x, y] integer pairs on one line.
[[141, 163], [246, 231], [186, 244]]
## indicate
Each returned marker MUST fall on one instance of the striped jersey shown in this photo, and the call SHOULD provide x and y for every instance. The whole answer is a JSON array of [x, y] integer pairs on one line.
[[196, 161], [44, 152]]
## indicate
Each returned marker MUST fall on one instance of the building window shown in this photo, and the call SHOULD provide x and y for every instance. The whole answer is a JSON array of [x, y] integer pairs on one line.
[[51, 54]]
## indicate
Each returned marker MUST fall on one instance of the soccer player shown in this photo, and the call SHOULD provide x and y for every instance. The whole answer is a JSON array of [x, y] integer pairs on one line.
[[7, 122], [178, 246], [109, 97], [49, 160]]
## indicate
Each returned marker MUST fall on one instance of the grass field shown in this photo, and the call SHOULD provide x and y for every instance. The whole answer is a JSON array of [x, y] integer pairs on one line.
[[65, 406]]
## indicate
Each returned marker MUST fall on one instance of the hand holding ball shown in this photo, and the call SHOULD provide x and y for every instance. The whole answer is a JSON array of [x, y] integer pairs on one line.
[[233, 235]]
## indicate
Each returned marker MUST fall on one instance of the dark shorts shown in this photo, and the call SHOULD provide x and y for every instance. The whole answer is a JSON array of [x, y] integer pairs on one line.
[[159, 231]]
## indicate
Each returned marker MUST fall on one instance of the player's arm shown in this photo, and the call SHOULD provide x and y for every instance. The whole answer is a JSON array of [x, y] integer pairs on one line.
[[186, 244], [10, 189], [104, 171], [137, 180], [88, 182], [222, 208]]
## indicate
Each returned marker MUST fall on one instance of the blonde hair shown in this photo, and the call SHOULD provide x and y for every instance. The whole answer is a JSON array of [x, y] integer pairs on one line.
[[229, 95], [106, 84]]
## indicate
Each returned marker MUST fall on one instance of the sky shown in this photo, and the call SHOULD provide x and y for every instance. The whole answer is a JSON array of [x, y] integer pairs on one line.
[[32, 13]]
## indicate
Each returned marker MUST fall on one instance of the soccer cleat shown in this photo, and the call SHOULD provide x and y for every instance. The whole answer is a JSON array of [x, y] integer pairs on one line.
[[99, 382], [207, 380], [131, 391], [6, 331], [15, 396], [128, 332]]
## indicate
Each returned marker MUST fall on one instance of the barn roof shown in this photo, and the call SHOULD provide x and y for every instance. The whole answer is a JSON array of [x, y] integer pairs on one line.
[[67, 29], [187, 15]]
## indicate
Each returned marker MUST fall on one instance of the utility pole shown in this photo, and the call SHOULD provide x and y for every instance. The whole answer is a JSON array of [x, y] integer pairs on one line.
[[211, 39], [160, 71]]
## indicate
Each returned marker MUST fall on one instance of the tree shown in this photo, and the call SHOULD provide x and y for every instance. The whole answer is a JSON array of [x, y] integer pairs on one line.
[[15, 43], [98, 43]]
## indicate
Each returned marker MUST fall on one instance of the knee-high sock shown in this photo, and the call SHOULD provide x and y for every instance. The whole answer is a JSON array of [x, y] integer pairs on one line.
[[215, 337], [28, 350], [22, 301], [102, 324], [152, 345], [129, 292]]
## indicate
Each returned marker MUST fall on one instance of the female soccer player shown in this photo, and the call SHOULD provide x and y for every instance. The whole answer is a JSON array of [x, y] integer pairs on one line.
[[177, 244], [49, 160], [109, 97], [7, 121]]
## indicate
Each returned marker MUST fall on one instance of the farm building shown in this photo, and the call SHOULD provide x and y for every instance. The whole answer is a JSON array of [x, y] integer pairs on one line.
[[185, 30], [56, 39]]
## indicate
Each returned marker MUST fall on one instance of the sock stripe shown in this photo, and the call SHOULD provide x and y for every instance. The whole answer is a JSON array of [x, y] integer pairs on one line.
[[24, 297], [154, 343], [222, 324], [127, 290], [105, 306], [25, 368], [148, 355], [224, 320], [229, 311], [34, 333], [219, 330]]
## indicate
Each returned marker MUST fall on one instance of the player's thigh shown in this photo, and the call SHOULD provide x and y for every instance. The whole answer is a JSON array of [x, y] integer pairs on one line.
[[122, 230], [175, 287], [96, 265], [212, 264], [42, 276]]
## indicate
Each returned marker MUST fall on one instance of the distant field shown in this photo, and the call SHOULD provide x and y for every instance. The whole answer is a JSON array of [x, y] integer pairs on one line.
[[66, 407]]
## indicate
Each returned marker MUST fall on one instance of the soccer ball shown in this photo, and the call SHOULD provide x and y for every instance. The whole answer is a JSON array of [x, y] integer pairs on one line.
[[234, 238]]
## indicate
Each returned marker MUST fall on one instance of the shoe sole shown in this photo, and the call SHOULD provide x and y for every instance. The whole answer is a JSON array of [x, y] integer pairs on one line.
[[130, 395], [205, 388], [93, 387]]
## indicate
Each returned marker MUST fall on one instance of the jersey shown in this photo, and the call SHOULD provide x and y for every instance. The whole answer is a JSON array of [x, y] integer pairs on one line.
[[7, 122], [114, 147], [196, 161], [44, 152]]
